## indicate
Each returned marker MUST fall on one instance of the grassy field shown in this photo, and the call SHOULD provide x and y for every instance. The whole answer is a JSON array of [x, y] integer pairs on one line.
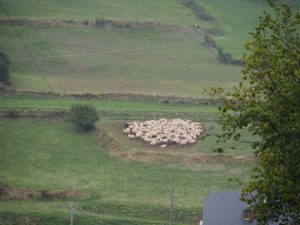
[[114, 128], [78, 60], [48, 155], [205, 147], [167, 11], [236, 18], [116, 105], [233, 19], [87, 60], [45, 156]]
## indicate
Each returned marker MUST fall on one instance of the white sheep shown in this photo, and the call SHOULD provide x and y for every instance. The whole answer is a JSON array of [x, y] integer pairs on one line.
[[130, 136], [164, 132]]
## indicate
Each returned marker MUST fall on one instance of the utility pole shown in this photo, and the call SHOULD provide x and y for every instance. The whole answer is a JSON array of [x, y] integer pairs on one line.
[[108, 105], [72, 207], [172, 198], [71, 216]]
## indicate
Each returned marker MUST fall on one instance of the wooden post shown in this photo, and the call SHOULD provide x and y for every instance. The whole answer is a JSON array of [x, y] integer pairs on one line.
[[172, 198]]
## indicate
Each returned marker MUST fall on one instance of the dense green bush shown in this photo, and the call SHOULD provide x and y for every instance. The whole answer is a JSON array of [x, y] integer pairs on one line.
[[84, 116], [4, 73], [12, 113], [4, 58], [4, 68]]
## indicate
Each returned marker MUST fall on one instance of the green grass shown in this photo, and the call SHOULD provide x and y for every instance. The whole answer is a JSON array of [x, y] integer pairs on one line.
[[168, 11], [78, 60], [51, 155], [205, 147], [237, 18], [48, 155], [115, 105], [62, 218], [234, 19]]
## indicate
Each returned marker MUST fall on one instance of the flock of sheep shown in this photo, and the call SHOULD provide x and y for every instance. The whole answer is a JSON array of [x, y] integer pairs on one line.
[[164, 132]]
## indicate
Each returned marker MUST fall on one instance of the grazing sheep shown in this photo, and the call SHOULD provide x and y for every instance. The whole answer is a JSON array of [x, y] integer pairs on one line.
[[131, 136], [126, 131], [164, 132]]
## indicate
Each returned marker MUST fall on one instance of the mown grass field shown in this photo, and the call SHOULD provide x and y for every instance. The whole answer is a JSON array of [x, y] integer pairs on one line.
[[81, 60], [205, 114], [233, 19], [105, 104], [167, 11], [76, 60], [237, 19], [49, 155], [206, 146]]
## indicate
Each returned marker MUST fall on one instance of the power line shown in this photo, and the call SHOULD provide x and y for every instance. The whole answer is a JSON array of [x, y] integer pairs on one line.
[[28, 51]]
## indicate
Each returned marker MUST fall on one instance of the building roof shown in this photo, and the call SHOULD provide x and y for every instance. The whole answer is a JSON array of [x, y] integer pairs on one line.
[[224, 208]]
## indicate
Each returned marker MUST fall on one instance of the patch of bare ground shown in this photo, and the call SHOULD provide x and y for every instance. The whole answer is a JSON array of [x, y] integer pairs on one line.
[[7, 193], [166, 156]]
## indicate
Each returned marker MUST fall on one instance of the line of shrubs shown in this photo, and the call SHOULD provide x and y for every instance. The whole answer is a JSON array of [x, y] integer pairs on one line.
[[7, 193], [155, 98], [198, 10], [136, 25], [83, 120], [223, 57], [100, 23]]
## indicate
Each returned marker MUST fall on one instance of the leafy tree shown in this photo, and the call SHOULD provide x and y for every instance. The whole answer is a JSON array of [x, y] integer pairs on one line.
[[84, 116], [267, 104], [4, 58], [4, 68]]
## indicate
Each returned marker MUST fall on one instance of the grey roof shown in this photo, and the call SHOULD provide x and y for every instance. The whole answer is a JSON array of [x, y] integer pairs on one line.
[[225, 208]]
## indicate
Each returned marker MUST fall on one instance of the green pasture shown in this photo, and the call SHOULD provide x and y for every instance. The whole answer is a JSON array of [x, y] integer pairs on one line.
[[49, 155], [115, 105], [204, 147], [62, 218], [76, 60], [236, 18], [167, 11]]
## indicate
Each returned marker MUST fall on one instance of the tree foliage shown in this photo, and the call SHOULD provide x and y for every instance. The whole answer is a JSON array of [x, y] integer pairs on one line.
[[84, 116], [4, 68], [267, 103]]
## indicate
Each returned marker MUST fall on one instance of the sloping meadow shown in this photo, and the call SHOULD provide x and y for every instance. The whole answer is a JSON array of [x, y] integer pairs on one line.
[[91, 60]]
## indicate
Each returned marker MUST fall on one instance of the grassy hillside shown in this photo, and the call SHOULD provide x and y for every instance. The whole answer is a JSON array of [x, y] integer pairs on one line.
[[167, 11], [233, 19], [48, 155], [45, 163], [237, 18], [78, 60], [115, 105], [81, 60], [204, 147]]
